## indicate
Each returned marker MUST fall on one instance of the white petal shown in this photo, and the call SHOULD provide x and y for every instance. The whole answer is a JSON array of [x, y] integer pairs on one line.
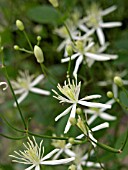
[[92, 164], [21, 98], [29, 168], [110, 24], [106, 116], [92, 118], [72, 115], [49, 155], [5, 84], [78, 62], [70, 58], [89, 46], [39, 91], [95, 96], [56, 156], [70, 153], [58, 162], [103, 48], [110, 56], [93, 139], [93, 104], [61, 46], [37, 167], [110, 102], [101, 126], [19, 91], [115, 90], [100, 35], [36, 80], [108, 10], [96, 57], [80, 136], [63, 113], [83, 28]]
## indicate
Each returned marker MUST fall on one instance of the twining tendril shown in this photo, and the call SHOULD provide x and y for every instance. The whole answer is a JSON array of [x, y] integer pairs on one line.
[[4, 84]]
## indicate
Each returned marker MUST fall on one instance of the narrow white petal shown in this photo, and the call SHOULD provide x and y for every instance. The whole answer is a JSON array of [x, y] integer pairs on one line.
[[92, 118], [106, 116], [21, 98], [113, 57], [72, 115], [95, 96], [70, 58], [115, 90], [49, 155], [37, 167], [92, 164], [39, 91], [56, 156], [29, 168], [108, 10], [100, 35], [110, 102], [89, 46], [83, 28], [70, 153], [96, 57], [37, 80], [93, 104], [78, 62], [61, 46], [19, 91], [103, 47], [80, 136], [101, 126], [63, 113], [58, 162], [93, 139], [110, 24]]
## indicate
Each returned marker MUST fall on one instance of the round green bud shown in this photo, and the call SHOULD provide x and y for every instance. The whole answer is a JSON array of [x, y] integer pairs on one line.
[[110, 94], [78, 111], [16, 47], [38, 54], [20, 25], [118, 81], [38, 38], [69, 49], [71, 140], [72, 121]]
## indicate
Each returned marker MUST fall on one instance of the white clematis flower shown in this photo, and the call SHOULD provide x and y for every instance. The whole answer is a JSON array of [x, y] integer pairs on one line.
[[70, 94], [94, 20], [25, 84], [34, 156]]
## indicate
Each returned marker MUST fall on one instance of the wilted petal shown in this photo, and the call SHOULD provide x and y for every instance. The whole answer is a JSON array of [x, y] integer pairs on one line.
[[39, 91], [37, 80], [110, 24], [106, 116], [21, 98], [58, 162], [96, 57], [63, 113], [100, 35]]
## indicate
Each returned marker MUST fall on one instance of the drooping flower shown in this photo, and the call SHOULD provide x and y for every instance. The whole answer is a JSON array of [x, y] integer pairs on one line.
[[94, 19], [70, 94], [34, 156], [25, 83]]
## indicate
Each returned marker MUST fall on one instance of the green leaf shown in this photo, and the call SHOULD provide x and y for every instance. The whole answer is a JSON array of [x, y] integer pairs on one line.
[[44, 14], [123, 98]]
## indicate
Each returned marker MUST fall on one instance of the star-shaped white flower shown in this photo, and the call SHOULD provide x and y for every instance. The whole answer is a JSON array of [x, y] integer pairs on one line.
[[25, 83], [85, 51], [94, 20], [70, 94], [34, 156]]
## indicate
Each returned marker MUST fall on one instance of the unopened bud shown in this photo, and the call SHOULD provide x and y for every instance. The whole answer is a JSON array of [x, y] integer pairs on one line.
[[16, 47], [38, 54], [71, 140], [38, 38], [20, 25], [54, 3], [110, 94], [78, 111], [118, 81], [69, 49], [72, 167], [72, 121]]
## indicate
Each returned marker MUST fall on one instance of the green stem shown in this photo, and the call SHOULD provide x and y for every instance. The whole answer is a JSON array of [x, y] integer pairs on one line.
[[27, 51], [26, 36], [123, 88], [13, 138], [18, 107]]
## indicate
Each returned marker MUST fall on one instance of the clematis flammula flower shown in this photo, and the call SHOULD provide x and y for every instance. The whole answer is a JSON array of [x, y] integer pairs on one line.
[[70, 94], [94, 19], [25, 83], [81, 158], [34, 156], [4, 84], [86, 51], [96, 112]]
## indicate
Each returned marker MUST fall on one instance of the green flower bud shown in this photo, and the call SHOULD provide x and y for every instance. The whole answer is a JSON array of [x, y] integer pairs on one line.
[[72, 121], [71, 140], [20, 25], [38, 54], [110, 94], [16, 47], [78, 111], [69, 49], [54, 3], [38, 38], [118, 81]]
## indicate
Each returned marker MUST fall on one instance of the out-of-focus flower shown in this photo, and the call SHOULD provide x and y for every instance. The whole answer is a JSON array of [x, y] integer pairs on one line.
[[70, 94], [94, 19], [25, 83], [34, 156]]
